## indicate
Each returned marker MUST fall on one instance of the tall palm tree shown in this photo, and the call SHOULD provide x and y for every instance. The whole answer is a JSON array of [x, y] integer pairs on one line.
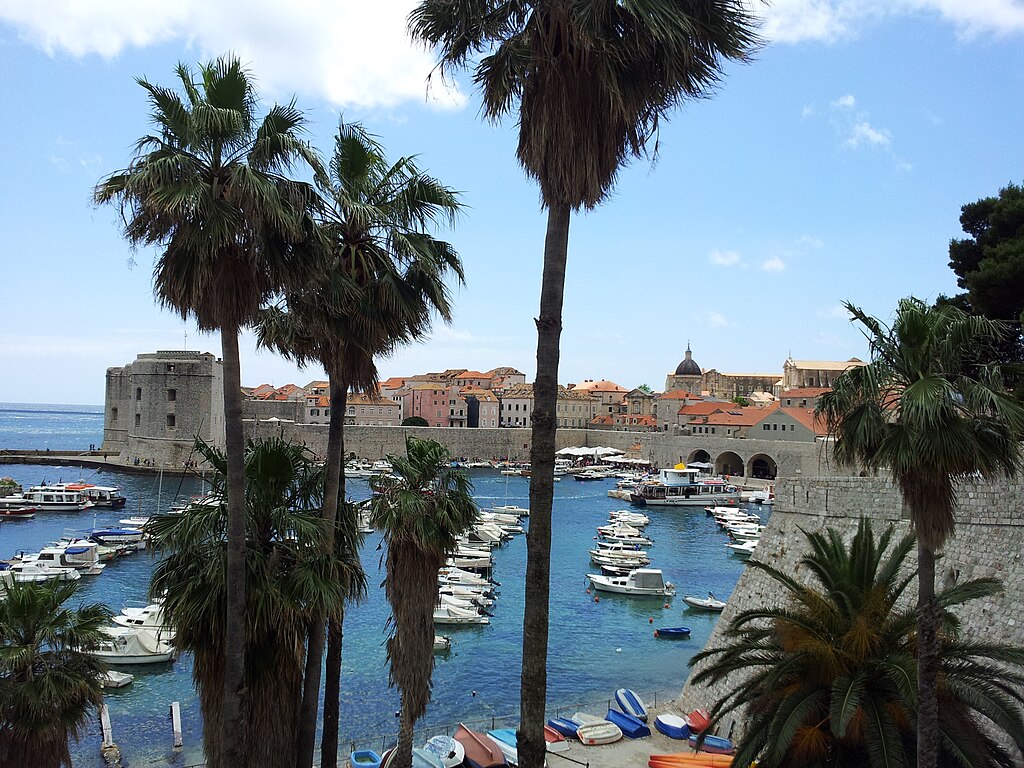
[[591, 80], [422, 510], [210, 189], [925, 411], [827, 679], [291, 579], [383, 280], [48, 685]]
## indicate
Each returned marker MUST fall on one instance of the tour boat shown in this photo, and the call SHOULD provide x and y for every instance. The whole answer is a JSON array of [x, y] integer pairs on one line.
[[54, 498], [680, 487], [641, 582], [100, 495]]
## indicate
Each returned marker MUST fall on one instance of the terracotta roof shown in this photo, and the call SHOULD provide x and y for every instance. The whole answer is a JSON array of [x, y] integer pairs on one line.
[[737, 417], [318, 385], [805, 391], [636, 420], [702, 408], [394, 382], [806, 417], [606, 419], [472, 375], [599, 386]]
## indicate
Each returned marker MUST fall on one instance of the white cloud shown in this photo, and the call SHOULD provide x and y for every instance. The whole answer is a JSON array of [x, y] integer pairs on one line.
[[774, 264], [862, 133], [717, 320], [724, 258], [356, 54], [845, 102], [810, 240], [794, 21]]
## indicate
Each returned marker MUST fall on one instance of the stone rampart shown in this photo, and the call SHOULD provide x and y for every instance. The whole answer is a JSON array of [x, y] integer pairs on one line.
[[988, 542]]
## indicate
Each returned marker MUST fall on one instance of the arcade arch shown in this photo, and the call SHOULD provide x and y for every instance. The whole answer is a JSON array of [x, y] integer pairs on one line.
[[762, 466], [699, 455], [729, 463]]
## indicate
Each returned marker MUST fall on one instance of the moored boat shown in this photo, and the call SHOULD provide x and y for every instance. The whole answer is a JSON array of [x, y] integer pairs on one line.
[[671, 633], [36, 571], [132, 645], [17, 513], [114, 679], [643, 582], [709, 603], [54, 498], [680, 486]]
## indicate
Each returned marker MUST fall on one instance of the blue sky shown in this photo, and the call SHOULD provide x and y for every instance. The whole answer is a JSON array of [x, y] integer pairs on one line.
[[831, 168]]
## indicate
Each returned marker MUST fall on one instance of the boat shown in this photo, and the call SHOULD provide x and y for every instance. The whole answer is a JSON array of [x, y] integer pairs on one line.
[[671, 633], [100, 495], [709, 603], [481, 752], [448, 750], [565, 726], [54, 498], [635, 519], [716, 745], [423, 758], [698, 720], [507, 742], [132, 645], [630, 726], [135, 521], [555, 740], [149, 617], [746, 549], [641, 582], [442, 644], [680, 486], [114, 679], [589, 475], [602, 732], [672, 726], [630, 703], [81, 555], [36, 571], [115, 536], [449, 614], [510, 509], [690, 760], [17, 513], [364, 758]]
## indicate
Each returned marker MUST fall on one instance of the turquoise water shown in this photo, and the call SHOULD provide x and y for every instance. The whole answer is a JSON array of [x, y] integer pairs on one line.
[[595, 647]]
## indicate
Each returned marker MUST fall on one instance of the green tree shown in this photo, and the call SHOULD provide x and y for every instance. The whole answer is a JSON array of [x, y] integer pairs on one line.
[[590, 83], [48, 685], [741, 401], [827, 679], [210, 189], [415, 421], [421, 509], [922, 410], [291, 578], [383, 282]]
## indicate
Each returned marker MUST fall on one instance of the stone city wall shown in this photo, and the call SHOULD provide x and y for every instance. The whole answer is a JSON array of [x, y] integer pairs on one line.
[[988, 542]]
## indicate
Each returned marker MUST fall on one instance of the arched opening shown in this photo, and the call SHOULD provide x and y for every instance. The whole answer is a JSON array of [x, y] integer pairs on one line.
[[762, 466], [729, 463], [700, 456]]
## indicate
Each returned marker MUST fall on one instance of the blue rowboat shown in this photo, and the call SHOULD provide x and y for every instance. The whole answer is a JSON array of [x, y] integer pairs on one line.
[[715, 745], [630, 726], [672, 633], [631, 704], [364, 758], [672, 726]]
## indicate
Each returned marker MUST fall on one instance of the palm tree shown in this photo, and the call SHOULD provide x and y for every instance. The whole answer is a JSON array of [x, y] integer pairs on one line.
[[592, 80], [383, 281], [422, 510], [827, 679], [925, 411], [291, 579], [48, 686], [210, 190]]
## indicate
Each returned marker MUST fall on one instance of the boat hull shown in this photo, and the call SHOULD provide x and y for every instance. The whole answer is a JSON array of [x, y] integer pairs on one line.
[[715, 745], [564, 726], [631, 704], [630, 726], [672, 726], [593, 734], [672, 633]]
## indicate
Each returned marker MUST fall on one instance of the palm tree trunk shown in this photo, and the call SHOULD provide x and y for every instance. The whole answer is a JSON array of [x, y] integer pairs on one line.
[[403, 750], [927, 658], [332, 686], [534, 682], [232, 724], [306, 740]]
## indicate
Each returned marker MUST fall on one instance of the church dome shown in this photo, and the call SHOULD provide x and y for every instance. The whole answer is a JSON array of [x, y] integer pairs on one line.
[[688, 367]]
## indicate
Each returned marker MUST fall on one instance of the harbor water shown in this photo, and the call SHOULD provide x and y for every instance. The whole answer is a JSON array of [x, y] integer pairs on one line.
[[596, 645]]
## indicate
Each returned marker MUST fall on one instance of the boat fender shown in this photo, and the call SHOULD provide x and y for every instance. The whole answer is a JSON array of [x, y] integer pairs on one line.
[[650, 620], [597, 599], [656, 633], [666, 605]]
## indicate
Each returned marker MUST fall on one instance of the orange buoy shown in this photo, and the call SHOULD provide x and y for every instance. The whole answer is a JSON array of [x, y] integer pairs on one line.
[[666, 605], [650, 620], [597, 599], [655, 633]]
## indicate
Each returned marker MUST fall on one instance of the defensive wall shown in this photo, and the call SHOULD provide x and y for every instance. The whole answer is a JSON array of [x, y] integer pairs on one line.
[[988, 542]]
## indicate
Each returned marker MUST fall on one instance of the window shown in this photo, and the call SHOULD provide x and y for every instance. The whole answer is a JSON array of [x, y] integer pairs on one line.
[[766, 426], [170, 420], [138, 419], [113, 416], [170, 367], [315, 412], [327, 411], [172, 395], [138, 393], [775, 426]]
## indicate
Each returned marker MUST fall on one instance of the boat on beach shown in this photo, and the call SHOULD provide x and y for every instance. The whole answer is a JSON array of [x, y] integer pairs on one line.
[[450, 752], [673, 726], [631, 727], [631, 703], [481, 751]]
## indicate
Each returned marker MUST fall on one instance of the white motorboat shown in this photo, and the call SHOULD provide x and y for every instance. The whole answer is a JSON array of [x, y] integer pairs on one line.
[[117, 536], [746, 549], [501, 518], [627, 517], [449, 614], [442, 644], [454, 575], [641, 582], [510, 509], [619, 562], [55, 498], [149, 617], [709, 603], [80, 554], [635, 541], [36, 571], [132, 645], [100, 495], [114, 679], [135, 521], [619, 546], [476, 598]]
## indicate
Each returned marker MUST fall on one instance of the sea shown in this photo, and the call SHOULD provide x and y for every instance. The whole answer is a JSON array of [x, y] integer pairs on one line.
[[597, 643]]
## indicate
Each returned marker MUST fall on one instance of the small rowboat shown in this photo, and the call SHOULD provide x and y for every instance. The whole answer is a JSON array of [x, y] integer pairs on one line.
[[365, 758], [716, 745], [672, 633], [698, 720], [447, 749], [481, 751], [601, 732], [672, 726], [18, 513], [630, 726], [631, 704], [565, 726], [556, 741]]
